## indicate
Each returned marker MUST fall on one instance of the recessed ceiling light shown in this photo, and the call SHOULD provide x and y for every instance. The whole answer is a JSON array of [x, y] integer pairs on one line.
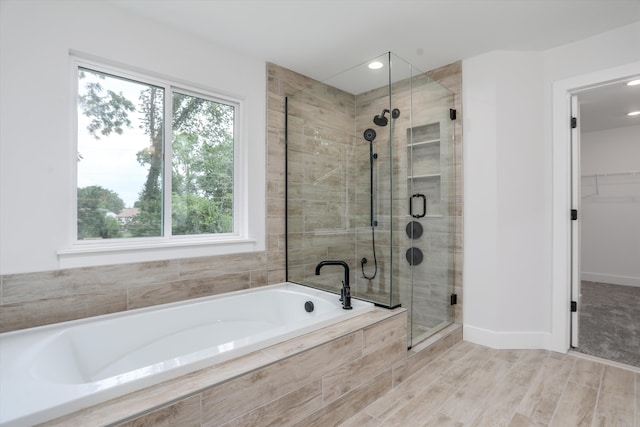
[[634, 113], [375, 65], [633, 82]]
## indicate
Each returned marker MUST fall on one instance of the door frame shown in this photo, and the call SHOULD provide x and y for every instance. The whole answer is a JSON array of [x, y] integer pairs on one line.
[[575, 221], [561, 253]]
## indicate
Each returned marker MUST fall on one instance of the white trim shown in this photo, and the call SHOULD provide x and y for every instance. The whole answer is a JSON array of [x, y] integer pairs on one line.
[[90, 256], [518, 340], [561, 250], [604, 361], [613, 279], [169, 86], [575, 224], [167, 157]]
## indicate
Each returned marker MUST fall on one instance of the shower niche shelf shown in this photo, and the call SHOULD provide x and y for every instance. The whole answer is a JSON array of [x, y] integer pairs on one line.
[[423, 157]]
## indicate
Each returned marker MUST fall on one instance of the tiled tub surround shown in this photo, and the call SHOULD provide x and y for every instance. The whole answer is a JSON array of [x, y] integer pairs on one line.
[[321, 378], [72, 365], [34, 299]]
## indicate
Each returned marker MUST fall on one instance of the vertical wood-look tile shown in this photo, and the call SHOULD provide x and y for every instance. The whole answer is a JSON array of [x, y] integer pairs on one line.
[[421, 407], [407, 390], [362, 419], [505, 396], [465, 404], [576, 406], [617, 380], [617, 399], [466, 365], [542, 398], [587, 373]]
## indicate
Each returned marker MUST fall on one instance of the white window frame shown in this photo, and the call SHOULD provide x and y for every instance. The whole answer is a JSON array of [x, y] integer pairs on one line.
[[82, 253]]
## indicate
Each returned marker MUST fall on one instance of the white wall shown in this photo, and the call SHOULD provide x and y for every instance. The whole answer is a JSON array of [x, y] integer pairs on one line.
[[514, 288], [610, 207], [36, 143], [504, 219]]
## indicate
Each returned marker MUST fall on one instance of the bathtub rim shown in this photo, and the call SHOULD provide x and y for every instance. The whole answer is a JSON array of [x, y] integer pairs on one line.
[[202, 365]]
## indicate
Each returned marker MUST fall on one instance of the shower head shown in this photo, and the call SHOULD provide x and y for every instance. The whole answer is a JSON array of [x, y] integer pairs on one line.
[[381, 120], [370, 134]]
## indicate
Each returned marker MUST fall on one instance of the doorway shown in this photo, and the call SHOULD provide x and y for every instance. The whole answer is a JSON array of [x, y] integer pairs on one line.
[[605, 169]]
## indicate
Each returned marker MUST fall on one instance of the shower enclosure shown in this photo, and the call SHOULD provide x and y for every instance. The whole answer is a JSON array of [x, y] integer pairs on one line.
[[371, 182]]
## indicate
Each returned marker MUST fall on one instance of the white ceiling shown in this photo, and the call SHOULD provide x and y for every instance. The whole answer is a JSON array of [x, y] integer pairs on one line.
[[606, 107], [323, 38]]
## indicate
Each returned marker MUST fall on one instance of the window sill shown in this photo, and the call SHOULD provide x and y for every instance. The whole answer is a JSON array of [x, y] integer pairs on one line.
[[92, 254]]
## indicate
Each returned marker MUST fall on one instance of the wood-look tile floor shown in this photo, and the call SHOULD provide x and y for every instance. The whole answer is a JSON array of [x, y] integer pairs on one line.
[[472, 385]]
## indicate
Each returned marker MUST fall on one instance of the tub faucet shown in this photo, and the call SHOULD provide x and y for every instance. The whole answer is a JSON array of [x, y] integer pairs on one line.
[[345, 293]]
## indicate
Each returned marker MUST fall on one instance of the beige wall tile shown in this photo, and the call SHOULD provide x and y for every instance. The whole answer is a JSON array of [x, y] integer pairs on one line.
[[362, 370], [15, 316], [194, 268], [342, 409], [185, 413], [84, 281], [380, 334], [234, 398], [187, 289], [284, 411]]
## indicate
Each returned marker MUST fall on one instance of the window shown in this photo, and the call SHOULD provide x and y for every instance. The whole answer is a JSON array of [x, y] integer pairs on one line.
[[155, 160]]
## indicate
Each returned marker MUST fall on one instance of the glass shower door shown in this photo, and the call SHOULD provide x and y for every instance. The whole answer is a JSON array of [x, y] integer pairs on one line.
[[430, 201]]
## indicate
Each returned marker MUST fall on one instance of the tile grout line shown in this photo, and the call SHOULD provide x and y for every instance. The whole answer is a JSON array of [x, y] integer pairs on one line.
[[564, 389], [595, 405]]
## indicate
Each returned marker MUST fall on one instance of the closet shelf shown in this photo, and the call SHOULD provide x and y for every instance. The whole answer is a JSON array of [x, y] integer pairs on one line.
[[604, 175]]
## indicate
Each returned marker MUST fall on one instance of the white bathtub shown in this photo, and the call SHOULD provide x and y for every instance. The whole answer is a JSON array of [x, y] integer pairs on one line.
[[53, 370]]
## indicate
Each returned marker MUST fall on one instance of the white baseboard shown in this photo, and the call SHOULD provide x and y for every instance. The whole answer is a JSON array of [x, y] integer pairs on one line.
[[610, 278], [515, 340]]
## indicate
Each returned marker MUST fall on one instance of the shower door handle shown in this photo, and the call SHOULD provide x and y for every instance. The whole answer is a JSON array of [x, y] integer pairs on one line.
[[424, 205]]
